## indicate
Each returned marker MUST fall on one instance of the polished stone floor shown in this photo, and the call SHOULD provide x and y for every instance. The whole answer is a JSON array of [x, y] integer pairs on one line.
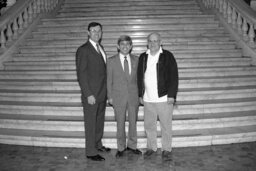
[[234, 157]]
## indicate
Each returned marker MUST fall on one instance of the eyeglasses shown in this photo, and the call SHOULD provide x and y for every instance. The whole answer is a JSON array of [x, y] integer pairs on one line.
[[153, 41], [95, 31]]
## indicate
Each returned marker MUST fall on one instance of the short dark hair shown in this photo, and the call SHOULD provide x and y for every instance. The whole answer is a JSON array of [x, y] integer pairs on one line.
[[124, 38], [94, 24]]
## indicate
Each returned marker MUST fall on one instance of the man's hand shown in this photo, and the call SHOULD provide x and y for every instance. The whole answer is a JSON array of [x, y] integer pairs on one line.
[[91, 100], [110, 101], [141, 100], [170, 100]]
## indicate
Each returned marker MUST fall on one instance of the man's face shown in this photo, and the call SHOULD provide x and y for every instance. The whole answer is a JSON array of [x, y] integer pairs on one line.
[[154, 43], [124, 47], [95, 33]]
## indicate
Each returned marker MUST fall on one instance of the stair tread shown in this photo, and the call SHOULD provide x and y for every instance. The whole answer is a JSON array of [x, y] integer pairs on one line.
[[73, 135]]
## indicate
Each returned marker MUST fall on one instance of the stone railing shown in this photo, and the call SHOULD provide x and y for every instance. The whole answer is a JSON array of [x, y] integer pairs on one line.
[[19, 16], [240, 18]]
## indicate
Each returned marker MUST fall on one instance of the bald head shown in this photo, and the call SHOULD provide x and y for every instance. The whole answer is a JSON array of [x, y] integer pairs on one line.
[[154, 43]]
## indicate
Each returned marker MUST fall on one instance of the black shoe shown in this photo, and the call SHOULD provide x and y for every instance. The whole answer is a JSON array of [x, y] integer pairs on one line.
[[149, 153], [134, 151], [96, 158], [167, 155], [104, 149], [119, 153]]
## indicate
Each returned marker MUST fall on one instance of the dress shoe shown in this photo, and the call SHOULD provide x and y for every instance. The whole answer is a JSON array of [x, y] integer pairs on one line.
[[167, 155], [104, 149], [119, 153], [96, 158], [149, 153], [134, 151]]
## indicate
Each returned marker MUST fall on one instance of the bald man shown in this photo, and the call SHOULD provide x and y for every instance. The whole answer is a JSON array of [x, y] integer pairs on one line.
[[157, 77]]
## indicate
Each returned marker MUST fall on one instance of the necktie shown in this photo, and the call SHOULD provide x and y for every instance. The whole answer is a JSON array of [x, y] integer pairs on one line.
[[126, 67], [98, 49]]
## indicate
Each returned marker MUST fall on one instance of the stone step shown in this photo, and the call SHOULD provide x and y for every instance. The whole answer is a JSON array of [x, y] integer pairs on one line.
[[183, 74], [72, 8], [110, 126], [75, 109], [70, 65], [136, 41], [136, 49], [112, 34], [180, 61], [184, 85], [188, 54], [70, 13], [127, 20], [74, 96], [187, 138], [124, 4], [66, 113], [137, 27], [181, 17], [127, 1], [139, 44]]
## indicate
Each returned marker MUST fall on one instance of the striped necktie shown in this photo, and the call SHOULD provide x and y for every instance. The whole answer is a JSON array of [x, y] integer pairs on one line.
[[126, 67]]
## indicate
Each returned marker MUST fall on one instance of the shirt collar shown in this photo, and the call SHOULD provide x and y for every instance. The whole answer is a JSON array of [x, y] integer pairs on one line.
[[93, 43], [159, 52], [122, 56]]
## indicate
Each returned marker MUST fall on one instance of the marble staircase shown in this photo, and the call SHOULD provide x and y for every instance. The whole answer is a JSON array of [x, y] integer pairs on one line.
[[40, 98]]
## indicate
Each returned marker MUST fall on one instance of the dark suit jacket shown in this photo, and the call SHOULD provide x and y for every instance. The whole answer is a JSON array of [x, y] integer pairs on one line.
[[119, 89], [91, 73]]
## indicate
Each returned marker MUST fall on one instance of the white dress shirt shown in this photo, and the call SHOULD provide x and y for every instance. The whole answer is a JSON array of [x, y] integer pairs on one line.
[[101, 50], [128, 59]]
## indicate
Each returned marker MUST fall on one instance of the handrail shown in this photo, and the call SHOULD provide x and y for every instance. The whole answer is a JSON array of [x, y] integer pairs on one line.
[[239, 15], [18, 16]]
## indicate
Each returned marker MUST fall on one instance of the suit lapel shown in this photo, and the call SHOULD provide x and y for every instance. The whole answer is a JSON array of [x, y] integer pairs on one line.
[[96, 53], [132, 65]]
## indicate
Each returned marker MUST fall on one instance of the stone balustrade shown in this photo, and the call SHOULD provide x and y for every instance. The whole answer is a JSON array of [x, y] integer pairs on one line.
[[19, 16], [238, 15]]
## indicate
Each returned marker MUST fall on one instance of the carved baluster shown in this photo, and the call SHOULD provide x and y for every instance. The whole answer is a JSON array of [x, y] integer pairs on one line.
[[225, 9], [42, 5], [35, 8], [52, 4], [251, 36], [48, 5], [30, 13], [234, 18], [221, 6], [3, 39], [25, 17], [38, 4], [213, 3], [245, 29], [15, 29], [239, 23], [206, 3], [9, 32], [20, 22], [217, 4], [229, 14]]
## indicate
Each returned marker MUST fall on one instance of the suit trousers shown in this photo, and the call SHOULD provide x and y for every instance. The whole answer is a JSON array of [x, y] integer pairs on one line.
[[164, 112], [94, 117], [120, 115]]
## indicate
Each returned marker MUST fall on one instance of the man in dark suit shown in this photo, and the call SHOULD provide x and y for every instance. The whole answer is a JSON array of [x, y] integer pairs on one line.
[[92, 78], [123, 93]]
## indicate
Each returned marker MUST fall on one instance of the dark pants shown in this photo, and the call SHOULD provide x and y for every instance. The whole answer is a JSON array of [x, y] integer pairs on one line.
[[94, 116]]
